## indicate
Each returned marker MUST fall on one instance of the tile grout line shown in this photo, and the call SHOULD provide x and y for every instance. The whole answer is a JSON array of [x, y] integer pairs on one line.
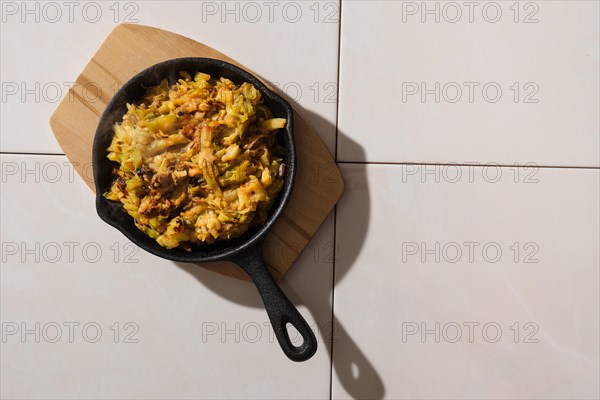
[[1, 103], [448, 164], [337, 94], [474, 164], [335, 156], [17, 153], [331, 338]]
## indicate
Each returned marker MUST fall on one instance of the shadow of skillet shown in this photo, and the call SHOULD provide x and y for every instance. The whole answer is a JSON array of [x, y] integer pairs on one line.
[[354, 371]]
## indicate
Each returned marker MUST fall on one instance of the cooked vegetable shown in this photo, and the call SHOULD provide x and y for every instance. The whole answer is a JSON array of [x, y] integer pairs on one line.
[[199, 161]]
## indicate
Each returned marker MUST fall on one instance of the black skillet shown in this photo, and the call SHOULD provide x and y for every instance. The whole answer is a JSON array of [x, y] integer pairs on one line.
[[245, 251]]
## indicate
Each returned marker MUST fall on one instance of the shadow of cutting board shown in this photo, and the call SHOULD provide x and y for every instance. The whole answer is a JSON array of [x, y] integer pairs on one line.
[[129, 49]]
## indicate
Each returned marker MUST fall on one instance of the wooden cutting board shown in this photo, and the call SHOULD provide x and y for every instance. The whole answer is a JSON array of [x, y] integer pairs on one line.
[[129, 49]]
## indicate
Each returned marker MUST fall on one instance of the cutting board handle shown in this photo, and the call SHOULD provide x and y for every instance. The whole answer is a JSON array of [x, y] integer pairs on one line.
[[280, 309]]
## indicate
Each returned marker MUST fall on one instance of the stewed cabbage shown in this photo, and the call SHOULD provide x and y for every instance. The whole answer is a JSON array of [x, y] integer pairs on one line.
[[199, 160]]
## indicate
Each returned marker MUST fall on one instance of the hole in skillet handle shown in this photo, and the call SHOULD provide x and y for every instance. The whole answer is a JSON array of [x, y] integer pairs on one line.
[[280, 309]]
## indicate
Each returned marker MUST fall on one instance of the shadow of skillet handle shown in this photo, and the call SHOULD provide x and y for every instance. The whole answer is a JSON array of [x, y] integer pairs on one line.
[[355, 372], [280, 309]]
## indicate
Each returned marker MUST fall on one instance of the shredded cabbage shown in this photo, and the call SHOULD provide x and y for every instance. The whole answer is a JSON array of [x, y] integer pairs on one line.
[[199, 161]]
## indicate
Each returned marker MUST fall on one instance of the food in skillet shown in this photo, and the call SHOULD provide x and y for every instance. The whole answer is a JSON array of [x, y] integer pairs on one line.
[[199, 161]]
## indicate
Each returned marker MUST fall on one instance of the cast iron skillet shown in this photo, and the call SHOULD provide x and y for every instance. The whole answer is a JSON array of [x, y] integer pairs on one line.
[[245, 251]]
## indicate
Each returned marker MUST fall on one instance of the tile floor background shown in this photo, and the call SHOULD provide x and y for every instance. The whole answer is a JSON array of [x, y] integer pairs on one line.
[[462, 261]]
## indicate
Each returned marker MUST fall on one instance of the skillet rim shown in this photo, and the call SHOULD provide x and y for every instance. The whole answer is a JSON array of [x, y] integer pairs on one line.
[[198, 254]]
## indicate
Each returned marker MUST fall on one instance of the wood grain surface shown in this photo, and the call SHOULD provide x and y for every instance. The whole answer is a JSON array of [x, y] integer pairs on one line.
[[129, 49]]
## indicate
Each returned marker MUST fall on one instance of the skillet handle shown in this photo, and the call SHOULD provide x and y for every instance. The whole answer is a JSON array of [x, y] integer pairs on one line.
[[280, 309]]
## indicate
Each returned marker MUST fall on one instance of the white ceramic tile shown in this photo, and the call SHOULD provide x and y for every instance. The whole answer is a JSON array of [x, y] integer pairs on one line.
[[392, 224], [292, 44], [199, 334], [388, 53]]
